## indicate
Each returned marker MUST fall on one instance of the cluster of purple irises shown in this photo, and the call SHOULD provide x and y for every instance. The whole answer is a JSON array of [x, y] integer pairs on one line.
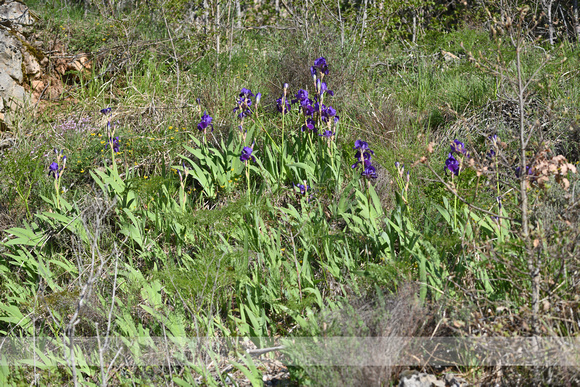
[[245, 102], [452, 164], [113, 141], [363, 157], [314, 111]]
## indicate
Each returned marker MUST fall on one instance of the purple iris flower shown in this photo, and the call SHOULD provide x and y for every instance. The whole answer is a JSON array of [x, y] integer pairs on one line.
[[452, 164], [246, 93], [115, 144], [244, 103], [283, 105], [328, 112], [302, 95], [321, 65], [363, 153], [494, 141], [205, 122], [247, 154], [369, 171], [245, 113], [322, 88], [309, 125], [327, 134], [106, 111], [53, 170], [363, 156], [361, 145], [366, 157], [458, 147], [529, 171], [303, 188], [319, 107], [307, 108]]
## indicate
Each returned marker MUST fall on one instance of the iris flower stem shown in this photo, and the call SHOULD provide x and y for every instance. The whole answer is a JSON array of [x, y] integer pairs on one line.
[[369, 197], [57, 189], [182, 197], [330, 154], [454, 207], [248, 176], [113, 162], [283, 117]]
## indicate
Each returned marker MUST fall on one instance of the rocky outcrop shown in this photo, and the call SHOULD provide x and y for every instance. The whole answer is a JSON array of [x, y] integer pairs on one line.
[[24, 78], [421, 379], [17, 17], [19, 61]]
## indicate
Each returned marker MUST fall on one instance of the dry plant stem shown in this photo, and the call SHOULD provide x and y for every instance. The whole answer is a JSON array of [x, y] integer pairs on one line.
[[102, 369], [231, 37], [576, 21], [262, 351], [175, 57], [364, 21], [532, 266], [95, 273], [341, 26], [523, 181], [218, 34], [454, 192], [167, 352], [110, 317]]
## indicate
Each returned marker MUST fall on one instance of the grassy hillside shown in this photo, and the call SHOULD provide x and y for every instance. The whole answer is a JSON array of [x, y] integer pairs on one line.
[[207, 191]]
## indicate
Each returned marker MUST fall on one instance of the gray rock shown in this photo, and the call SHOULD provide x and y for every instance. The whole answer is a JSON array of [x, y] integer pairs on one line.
[[420, 380], [11, 91], [452, 380], [17, 16], [10, 56], [1, 114], [31, 65], [16, 22]]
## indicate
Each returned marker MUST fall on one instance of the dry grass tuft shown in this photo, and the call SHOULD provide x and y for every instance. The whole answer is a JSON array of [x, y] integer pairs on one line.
[[370, 316]]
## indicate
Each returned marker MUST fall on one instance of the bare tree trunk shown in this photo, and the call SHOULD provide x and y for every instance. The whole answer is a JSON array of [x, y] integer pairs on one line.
[[548, 8], [414, 26], [364, 21], [239, 14]]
